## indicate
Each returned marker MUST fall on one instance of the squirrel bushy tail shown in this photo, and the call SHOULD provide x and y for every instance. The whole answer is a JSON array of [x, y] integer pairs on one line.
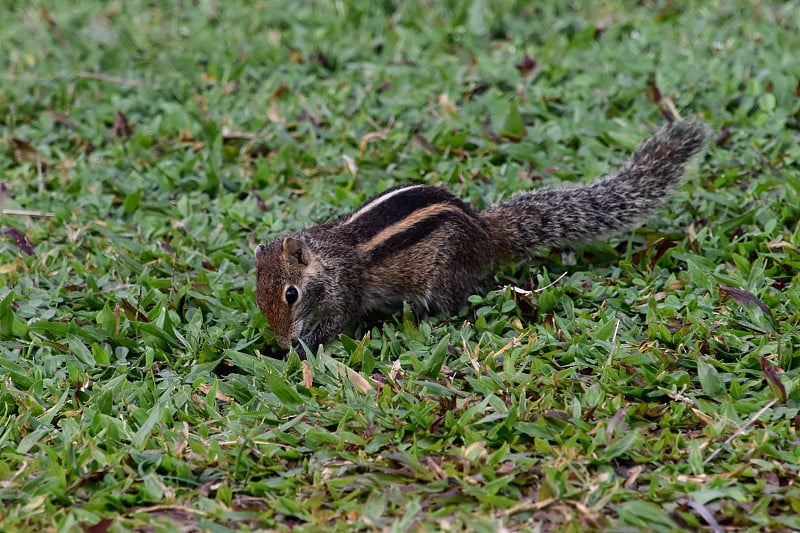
[[561, 215]]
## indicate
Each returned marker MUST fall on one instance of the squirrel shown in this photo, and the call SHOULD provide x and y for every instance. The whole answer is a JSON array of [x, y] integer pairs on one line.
[[422, 245]]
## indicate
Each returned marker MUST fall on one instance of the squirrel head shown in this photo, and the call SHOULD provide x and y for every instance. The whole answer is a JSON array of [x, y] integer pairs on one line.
[[282, 267]]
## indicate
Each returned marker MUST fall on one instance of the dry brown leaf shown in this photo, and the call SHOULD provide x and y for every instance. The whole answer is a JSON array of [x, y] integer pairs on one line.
[[744, 298], [121, 128], [526, 65], [274, 37], [396, 370], [350, 164], [280, 90], [780, 245], [308, 375], [474, 451], [24, 152], [358, 381], [704, 417], [274, 114], [447, 105], [773, 379], [633, 475], [20, 239], [368, 138], [653, 92], [205, 388], [229, 134]]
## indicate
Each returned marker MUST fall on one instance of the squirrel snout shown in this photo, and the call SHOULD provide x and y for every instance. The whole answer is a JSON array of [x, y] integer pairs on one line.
[[285, 335], [283, 340]]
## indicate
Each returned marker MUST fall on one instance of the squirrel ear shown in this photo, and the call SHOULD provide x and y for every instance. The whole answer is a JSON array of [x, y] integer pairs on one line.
[[260, 249], [295, 249]]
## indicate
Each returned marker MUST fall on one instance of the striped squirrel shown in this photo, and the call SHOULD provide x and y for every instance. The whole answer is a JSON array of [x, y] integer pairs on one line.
[[422, 245]]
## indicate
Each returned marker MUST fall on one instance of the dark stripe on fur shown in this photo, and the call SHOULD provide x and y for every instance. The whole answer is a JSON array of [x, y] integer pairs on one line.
[[400, 243], [380, 217]]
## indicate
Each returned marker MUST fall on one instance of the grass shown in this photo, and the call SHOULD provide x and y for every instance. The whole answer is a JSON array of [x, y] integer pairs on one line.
[[649, 382]]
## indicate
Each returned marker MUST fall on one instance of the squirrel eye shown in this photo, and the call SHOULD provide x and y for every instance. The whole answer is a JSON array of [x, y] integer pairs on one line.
[[291, 295]]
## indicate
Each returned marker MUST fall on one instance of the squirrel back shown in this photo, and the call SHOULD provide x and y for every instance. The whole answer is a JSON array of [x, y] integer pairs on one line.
[[422, 245]]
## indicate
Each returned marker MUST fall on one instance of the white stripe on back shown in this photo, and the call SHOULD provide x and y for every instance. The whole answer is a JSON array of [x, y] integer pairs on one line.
[[372, 204]]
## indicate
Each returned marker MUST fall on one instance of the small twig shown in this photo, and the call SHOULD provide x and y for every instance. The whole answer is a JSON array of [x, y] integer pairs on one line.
[[168, 507], [114, 288], [741, 430], [527, 506], [112, 79], [81, 74], [510, 344], [667, 102], [679, 397], [540, 289], [559, 278], [26, 213]]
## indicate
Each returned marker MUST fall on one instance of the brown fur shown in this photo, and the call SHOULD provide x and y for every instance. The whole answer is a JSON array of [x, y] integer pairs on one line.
[[421, 245]]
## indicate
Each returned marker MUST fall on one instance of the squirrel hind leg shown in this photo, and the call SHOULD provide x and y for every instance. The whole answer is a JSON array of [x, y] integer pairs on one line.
[[451, 287]]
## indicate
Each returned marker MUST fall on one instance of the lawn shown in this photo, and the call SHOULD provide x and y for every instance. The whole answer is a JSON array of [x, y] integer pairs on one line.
[[645, 382]]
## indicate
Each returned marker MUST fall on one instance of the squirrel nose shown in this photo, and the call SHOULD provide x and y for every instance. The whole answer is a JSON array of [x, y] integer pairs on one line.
[[283, 340]]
